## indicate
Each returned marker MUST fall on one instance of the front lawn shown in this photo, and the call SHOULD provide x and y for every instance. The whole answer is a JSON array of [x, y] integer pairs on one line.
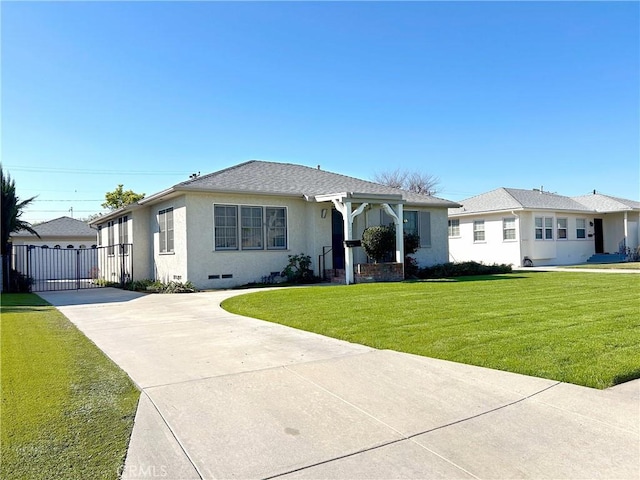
[[581, 328], [610, 266], [67, 410]]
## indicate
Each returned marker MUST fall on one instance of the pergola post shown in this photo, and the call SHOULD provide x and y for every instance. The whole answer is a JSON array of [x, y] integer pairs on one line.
[[398, 220]]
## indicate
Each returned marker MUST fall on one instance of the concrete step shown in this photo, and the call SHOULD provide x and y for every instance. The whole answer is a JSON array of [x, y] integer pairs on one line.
[[606, 258]]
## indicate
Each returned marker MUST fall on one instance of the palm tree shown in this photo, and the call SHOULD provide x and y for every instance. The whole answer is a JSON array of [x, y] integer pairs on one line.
[[12, 209]]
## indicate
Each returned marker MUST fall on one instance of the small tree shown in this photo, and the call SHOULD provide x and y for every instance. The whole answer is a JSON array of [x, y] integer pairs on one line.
[[378, 242], [120, 198], [12, 210]]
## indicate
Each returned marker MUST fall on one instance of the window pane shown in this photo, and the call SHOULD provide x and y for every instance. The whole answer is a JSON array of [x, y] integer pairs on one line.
[[478, 231], [226, 227], [581, 228], [509, 229], [252, 229], [411, 223], [276, 228], [454, 228]]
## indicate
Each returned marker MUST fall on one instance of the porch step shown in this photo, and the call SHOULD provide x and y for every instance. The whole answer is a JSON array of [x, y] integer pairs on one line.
[[606, 258], [335, 275]]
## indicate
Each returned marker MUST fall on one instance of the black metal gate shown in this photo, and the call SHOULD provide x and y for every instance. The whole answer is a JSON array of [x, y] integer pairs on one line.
[[50, 269]]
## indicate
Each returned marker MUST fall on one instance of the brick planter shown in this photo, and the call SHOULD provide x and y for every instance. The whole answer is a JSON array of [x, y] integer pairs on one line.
[[379, 272]]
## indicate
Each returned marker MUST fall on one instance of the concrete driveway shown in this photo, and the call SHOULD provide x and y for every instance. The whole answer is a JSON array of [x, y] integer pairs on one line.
[[225, 396]]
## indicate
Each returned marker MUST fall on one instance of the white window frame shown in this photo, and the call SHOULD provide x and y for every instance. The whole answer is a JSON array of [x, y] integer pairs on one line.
[[454, 228], [272, 231], [509, 230], [583, 228], [562, 231], [225, 232], [251, 227], [166, 231], [479, 232], [544, 227]]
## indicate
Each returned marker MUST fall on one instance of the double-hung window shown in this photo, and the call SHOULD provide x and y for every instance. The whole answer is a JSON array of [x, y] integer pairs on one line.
[[252, 228], [454, 228], [478, 231], [544, 228], [165, 228], [581, 228], [508, 229], [226, 227], [562, 229], [276, 228]]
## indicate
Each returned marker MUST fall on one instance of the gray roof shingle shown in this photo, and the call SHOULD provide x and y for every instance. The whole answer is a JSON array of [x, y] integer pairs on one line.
[[261, 177], [606, 203], [60, 227], [503, 199]]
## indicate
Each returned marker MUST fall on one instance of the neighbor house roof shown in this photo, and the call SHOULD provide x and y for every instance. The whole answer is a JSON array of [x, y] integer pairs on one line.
[[59, 227], [285, 179], [505, 199], [606, 203]]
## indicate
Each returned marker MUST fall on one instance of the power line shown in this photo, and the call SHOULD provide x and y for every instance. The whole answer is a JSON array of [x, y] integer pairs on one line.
[[93, 171], [68, 200]]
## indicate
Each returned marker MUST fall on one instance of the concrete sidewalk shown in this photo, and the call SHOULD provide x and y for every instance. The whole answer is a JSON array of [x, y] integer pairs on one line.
[[225, 396]]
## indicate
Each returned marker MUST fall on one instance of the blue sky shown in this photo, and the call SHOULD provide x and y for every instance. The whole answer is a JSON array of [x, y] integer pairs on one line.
[[480, 94]]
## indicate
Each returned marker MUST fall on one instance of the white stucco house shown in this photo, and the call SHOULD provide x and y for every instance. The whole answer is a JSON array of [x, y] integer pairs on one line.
[[238, 225], [522, 227]]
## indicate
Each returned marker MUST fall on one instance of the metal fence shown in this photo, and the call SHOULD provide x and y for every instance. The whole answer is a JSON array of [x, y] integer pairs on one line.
[[72, 268]]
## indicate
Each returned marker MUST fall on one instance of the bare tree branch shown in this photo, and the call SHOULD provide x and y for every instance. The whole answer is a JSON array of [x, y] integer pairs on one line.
[[417, 182]]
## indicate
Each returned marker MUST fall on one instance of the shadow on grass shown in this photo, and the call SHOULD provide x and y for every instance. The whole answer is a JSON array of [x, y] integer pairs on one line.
[[626, 377], [470, 278]]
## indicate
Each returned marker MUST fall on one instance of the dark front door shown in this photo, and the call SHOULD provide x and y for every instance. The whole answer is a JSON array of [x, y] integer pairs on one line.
[[337, 239], [597, 232]]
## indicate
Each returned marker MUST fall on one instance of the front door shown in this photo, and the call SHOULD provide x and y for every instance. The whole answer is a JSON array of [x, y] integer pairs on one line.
[[597, 232], [337, 239]]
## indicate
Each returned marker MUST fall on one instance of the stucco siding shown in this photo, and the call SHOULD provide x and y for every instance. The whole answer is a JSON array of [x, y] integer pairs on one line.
[[170, 266], [208, 267]]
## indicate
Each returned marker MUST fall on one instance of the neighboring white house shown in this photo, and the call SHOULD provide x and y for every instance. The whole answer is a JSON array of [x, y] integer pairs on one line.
[[240, 224], [515, 226], [64, 250]]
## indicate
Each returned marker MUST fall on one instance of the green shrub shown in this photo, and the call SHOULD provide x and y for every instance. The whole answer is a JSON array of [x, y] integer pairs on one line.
[[462, 269], [18, 282], [156, 286], [379, 242], [298, 270]]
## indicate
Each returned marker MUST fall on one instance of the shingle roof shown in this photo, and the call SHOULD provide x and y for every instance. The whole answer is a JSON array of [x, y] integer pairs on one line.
[[503, 199], [261, 177], [60, 227], [606, 203]]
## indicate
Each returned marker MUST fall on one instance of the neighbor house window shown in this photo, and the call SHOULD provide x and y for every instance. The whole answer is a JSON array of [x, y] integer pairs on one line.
[[252, 228], [225, 219], [581, 228], [276, 228], [478, 231], [544, 228], [454, 228], [110, 237], [100, 235], [123, 234], [562, 229], [165, 229], [508, 228]]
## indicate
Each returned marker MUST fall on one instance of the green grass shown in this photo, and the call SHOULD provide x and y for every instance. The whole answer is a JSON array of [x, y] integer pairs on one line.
[[609, 266], [67, 410], [581, 328]]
